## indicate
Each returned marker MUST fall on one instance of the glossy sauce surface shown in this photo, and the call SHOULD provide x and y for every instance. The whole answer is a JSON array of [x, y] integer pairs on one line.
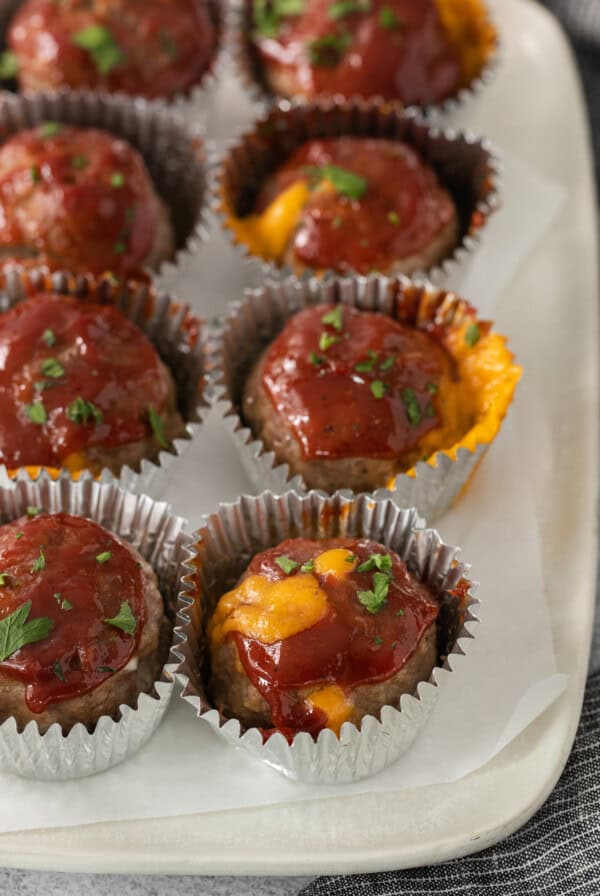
[[348, 646], [384, 409], [397, 49], [82, 198], [162, 46], [402, 210], [102, 359], [77, 593]]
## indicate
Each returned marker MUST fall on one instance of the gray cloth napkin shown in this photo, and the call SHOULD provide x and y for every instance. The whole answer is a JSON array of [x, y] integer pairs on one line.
[[558, 852]]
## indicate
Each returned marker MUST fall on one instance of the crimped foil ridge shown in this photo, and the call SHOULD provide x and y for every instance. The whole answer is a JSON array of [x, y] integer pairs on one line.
[[248, 68], [257, 319], [469, 165], [176, 155], [166, 323], [161, 539], [225, 543]]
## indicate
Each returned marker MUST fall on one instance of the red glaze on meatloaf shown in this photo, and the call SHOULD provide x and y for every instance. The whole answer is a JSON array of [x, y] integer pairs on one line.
[[152, 48]]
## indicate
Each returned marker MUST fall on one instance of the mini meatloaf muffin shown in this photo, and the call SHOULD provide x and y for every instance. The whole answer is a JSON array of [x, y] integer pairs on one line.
[[353, 203], [152, 48], [420, 52], [351, 398], [318, 633], [81, 387], [81, 200], [82, 622]]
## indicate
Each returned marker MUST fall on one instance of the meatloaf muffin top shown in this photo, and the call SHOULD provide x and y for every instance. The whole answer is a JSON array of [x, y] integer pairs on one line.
[[417, 52], [352, 203], [313, 621], [79, 384], [356, 383], [152, 48], [72, 606], [81, 199]]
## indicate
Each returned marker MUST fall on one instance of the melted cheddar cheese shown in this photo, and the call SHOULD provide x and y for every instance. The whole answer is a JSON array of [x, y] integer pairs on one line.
[[470, 30], [333, 702], [338, 562], [269, 233]]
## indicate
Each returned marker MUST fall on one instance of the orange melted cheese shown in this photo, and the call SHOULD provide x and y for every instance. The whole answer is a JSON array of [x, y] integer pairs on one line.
[[269, 233], [333, 702], [470, 30]]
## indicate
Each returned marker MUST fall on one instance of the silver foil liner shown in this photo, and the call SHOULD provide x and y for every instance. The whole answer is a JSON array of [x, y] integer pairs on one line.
[[173, 330], [194, 104], [466, 165], [176, 156], [248, 66], [159, 536], [223, 547], [257, 320]]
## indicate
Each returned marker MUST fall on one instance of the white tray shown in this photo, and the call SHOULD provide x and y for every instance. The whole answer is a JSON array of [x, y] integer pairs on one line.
[[534, 110]]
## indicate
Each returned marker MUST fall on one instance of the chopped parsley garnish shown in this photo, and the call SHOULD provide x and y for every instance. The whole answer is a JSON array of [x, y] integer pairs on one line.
[[105, 669], [63, 604], [158, 427], [344, 182], [432, 388], [393, 217], [328, 50], [36, 174], [348, 8], [50, 129], [377, 641], [267, 14], [326, 340], [40, 561], [429, 410], [4, 579], [120, 248], [79, 162], [378, 388], [374, 601], [388, 19], [334, 319], [350, 558], [49, 338], [286, 564], [317, 360], [57, 668], [117, 179], [125, 620], [33, 511], [336, 223], [169, 45], [9, 65], [399, 612], [82, 411], [413, 408], [52, 368], [19, 535], [104, 557], [16, 630], [472, 335], [36, 412], [308, 566], [368, 365], [382, 562], [102, 47], [388, 363]]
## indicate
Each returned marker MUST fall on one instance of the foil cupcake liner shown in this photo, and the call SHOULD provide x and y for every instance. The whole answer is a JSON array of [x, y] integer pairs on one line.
[[176, 156], [194, 104], [159, 536], [257, 320], [222, 549], [172, 329], [248, 67], [466, 165]]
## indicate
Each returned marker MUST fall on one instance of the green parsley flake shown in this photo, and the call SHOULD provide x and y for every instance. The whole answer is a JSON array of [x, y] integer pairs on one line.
[[40, 561], [57, 668], [388, 19], [4, 579], [368, 365], [393, 218], [378, 388], [19, 535], [429, 410], [377, 641], [100, 44], [334, 319], [413, 408], [16, 630], [336, 223], [49, 338], [308, 566], [158, 427], [82, 411], [52, 368], [344, 182], [328, 50], [36, 412], [117, 179], [268, 14], [343, 8], [50, 129], [286, 564], [399, 612], [327, 340], [120, 248], [104, 557], [105, 670], [382, 562], [36, 174], [472, 335], [432, 388], [125, 620], [9, 65], [79, 162], [169, 45], [33, 511], [375, 600], [388, 363], [317, 360]]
